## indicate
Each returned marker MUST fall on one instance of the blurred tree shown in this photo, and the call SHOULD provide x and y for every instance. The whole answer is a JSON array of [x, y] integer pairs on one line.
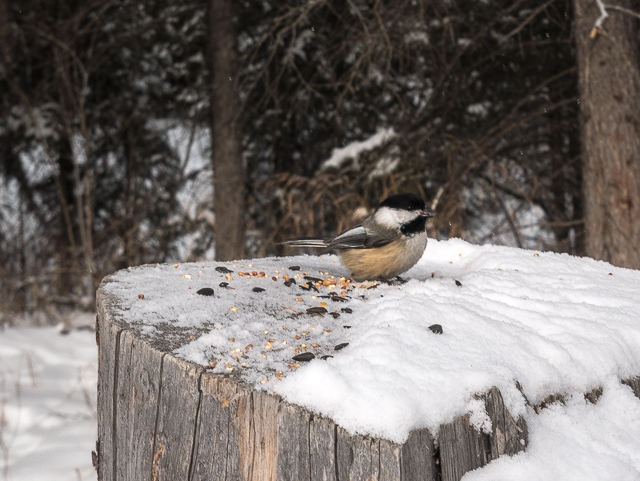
[[609, 81], [226, 136], [86, 89], [480, 98]]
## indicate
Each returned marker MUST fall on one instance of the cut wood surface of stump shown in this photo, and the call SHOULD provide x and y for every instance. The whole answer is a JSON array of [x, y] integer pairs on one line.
[[162, 417]]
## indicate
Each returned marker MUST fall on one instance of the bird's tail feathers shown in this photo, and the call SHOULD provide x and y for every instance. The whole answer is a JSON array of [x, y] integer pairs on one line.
[[305, 242]]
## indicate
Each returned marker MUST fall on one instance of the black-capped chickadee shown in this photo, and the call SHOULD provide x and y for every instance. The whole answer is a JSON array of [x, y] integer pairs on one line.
[[386, 244]]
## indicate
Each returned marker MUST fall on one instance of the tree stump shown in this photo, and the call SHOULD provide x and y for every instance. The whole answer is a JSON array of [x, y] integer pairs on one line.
[[163, 418]]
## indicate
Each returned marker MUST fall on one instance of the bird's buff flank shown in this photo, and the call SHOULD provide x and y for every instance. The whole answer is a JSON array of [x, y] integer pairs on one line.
[[386, 244]]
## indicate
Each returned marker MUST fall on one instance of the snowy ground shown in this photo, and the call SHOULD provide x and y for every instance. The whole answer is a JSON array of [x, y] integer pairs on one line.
[[554, 322], [48, 404], [578, 442]]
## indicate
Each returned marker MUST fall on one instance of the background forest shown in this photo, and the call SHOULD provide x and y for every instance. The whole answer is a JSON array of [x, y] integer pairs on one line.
[[520, 116]]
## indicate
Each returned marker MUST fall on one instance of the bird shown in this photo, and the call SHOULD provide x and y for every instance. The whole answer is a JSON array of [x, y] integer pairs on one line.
[[387, 244]]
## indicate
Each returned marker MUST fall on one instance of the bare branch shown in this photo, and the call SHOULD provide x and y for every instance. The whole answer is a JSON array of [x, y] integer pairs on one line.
[[436, 199], [526, 21], [623, 10]]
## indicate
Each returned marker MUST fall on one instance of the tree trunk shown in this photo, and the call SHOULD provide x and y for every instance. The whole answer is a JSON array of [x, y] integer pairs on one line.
[[163, 418], [5, 35], [609, 84], [228, 169]]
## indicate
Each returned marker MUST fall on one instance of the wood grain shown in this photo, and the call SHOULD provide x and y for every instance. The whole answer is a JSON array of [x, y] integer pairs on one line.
[[162, 418], [462, 448]]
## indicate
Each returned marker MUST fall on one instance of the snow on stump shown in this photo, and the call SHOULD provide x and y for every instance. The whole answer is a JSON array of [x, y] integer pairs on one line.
[[282, 369]]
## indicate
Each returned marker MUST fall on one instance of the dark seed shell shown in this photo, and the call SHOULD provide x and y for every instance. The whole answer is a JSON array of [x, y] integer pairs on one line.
[[347, 327], [338, 299], [304, 357], [316, 310], [287, 283], [458, 283], [224, 284], [335, 315], [205, 291], [294, 268], [348, 310], [312, 279], [324, 358], [341, 346], [223, 270], [258, 289], [436, 329]]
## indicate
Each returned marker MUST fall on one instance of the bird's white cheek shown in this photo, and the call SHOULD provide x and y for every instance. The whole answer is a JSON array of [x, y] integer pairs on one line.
[[393, 218], [386, 218]]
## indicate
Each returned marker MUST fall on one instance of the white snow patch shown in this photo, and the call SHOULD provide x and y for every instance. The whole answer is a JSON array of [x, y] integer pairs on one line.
[[48, 390], [354, 149], [576, 442], [553, 322]]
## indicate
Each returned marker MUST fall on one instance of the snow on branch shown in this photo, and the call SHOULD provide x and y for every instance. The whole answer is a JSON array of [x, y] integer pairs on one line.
[[597, 26]]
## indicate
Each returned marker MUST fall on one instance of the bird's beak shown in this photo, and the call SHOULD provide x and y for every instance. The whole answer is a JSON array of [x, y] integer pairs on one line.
[[427, 213]]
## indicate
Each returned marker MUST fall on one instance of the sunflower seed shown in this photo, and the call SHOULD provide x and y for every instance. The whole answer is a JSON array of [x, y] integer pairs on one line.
[[316, 310], [304, 357], [436, 329]]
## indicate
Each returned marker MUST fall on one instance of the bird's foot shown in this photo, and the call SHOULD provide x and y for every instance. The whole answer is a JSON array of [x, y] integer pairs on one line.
[[396, 281]]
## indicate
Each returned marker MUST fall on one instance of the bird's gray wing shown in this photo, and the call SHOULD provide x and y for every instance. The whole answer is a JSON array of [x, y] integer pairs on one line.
[[359, 237], [305, 242]]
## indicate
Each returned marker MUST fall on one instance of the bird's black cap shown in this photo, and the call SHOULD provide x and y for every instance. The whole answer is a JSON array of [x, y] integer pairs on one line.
[[404, 202]]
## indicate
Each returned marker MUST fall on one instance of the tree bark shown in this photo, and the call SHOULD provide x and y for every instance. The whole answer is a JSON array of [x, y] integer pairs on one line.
[[609, 84], [228, 169], [5, 35]]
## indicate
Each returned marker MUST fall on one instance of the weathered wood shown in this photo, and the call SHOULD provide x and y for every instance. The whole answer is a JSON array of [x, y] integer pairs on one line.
[[178, 405], [462, 448], [634, 384], [213, 453], [258, 436], [322, 449], [418, 457], [508, 436], [108, 353], [293, 443], [358, 456], [137, 399], [162, 418], [390, 461]]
